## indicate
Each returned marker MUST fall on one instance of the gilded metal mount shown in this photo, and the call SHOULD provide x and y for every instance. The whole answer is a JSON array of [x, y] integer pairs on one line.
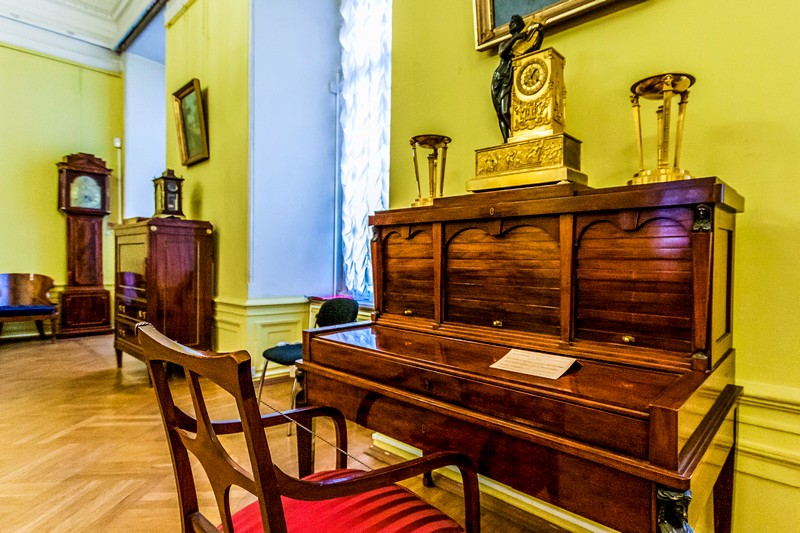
[[662, 87], [538, 150], [434, 143]]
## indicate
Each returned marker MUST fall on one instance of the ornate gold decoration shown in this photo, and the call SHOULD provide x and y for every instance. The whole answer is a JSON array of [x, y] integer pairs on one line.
[[532, 77], [434, 143], [543, 160], [537, 98], [538, 151], [662, 87]]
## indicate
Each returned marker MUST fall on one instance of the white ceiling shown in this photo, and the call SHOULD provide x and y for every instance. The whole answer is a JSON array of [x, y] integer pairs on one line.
[[101, 23]]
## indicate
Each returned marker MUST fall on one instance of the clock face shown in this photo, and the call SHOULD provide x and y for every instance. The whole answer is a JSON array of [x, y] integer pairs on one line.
[[172, 186], [532, 77], [85, 192], [172, 202]]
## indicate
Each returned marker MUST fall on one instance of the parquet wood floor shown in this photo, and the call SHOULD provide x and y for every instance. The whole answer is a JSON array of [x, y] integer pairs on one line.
[[82, 448]]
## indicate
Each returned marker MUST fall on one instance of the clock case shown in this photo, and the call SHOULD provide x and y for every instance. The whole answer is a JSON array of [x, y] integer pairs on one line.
[[85, 303], [74, 166], [168, 195]]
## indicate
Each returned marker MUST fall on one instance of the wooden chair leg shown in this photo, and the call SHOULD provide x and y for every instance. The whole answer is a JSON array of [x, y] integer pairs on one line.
[[40, 328], [53, 330]]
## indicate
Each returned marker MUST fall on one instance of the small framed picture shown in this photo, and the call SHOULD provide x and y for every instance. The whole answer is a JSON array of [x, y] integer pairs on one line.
[[191, 123]]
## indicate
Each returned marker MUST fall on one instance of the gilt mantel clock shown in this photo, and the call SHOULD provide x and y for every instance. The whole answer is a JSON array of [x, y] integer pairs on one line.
[[83, 196]]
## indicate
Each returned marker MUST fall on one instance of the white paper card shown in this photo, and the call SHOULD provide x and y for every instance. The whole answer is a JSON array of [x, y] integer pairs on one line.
[[543, 365]]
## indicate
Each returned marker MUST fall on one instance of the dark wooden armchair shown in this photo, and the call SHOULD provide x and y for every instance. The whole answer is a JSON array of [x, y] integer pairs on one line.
[[340, 500], [25, 297]]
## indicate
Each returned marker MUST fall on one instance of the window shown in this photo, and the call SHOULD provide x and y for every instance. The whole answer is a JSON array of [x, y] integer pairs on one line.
[[364, 115]]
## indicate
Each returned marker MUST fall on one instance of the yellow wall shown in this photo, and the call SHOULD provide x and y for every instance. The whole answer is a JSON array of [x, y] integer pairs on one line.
[[50, 108], [210, 41], [743, 125]]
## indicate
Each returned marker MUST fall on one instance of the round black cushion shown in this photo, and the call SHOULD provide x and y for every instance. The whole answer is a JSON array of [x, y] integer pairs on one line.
[[284, 355]]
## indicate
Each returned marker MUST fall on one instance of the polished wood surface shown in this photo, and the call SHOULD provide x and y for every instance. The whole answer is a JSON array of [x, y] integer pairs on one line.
[[633, 282], [163, 275], [83, 446]]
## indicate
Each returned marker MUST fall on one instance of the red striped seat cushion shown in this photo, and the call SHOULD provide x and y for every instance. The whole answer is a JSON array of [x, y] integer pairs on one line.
[[392, 509]]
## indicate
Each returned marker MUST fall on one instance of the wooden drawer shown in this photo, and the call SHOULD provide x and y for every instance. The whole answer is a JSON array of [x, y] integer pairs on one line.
[[125, 336], [446, 371], [133, 309]]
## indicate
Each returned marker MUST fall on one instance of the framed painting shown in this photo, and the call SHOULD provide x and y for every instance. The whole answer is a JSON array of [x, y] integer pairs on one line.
[[191, 123], [492, 16]]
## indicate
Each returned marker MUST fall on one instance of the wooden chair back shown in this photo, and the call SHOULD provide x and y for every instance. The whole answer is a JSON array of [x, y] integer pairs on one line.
[[198, 434], [353, 496], [25, 289]]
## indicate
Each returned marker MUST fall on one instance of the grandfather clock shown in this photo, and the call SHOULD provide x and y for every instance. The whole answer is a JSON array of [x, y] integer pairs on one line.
[[83, 196]]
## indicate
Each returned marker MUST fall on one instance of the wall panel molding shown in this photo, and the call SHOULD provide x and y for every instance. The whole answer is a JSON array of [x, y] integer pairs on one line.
[[769, 433], [257, 324]]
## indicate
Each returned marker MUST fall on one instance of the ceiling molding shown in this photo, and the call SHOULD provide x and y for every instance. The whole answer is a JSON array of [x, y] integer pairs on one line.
[[55, 45], [102, 23], [141, 24]]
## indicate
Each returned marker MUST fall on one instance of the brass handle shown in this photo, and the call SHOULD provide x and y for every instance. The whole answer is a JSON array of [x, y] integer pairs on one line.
[[141, 314], [121, 308], [121, 332], [497, 323], [629, 339], [408, 312]]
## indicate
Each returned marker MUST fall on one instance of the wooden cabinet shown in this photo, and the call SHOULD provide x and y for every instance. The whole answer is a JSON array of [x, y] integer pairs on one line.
[[634, 283], [163, 276]]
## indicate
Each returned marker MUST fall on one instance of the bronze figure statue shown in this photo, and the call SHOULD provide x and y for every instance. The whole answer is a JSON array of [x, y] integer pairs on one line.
[[673, 511], [503, 76]]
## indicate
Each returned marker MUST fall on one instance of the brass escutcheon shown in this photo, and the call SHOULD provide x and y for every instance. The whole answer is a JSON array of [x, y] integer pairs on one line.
[[497, 323], [629, 339], [408, 312]]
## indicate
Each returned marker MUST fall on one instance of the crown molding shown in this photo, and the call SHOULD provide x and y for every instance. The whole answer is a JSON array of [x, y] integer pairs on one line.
[[102, 23], [26, 37]]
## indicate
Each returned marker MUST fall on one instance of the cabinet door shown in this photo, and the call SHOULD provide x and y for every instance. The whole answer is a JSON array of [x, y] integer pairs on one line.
[[408, 271], [180, 293], [505, 275], [634, 278], [84, 253], [131, 276]]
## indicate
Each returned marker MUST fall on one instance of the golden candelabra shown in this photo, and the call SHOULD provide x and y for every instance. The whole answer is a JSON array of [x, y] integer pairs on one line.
[[434, 143], [662, 87]]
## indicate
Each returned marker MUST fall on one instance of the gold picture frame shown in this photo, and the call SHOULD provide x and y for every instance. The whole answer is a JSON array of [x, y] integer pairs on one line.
[[555, 13], [190, 120]]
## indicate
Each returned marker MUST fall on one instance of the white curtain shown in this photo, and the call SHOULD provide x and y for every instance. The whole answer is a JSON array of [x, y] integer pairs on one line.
[[366, 42]]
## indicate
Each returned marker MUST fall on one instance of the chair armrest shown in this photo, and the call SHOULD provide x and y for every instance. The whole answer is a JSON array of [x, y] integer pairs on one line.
[[357, 483], [302, 415]]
